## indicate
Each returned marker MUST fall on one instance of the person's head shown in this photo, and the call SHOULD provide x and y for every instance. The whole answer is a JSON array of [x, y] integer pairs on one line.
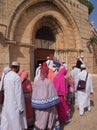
[[48, 58], [39, 64], [82, 57], [63, 62], [78, 64], [24, 75], [15, 66], [44, 64], [6, 70], [83, 67], [44, 72]]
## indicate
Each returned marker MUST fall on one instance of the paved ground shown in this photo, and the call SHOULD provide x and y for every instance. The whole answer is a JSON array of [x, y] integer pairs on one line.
[[89, 120]]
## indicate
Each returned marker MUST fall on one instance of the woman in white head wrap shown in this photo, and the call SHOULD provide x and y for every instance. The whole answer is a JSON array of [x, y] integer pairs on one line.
[[5, 71]]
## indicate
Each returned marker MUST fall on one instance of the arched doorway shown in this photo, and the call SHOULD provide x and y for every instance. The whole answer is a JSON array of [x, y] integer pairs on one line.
[[44, 35]]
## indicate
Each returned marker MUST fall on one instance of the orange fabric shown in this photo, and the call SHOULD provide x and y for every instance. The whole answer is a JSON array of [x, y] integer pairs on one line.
[[51, 74]]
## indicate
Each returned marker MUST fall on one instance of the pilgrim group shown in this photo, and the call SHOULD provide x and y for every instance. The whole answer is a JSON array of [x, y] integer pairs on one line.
[[46, 103]]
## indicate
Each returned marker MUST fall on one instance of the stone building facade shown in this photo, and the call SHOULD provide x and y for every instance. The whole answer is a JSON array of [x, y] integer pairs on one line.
[[30, 30]]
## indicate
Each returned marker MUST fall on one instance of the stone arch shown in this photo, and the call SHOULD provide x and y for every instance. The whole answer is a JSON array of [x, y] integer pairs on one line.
[[59, 5], [52, 23]]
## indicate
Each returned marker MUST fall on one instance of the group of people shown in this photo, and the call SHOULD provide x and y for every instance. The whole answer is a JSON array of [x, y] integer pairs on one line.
[[46, 104]]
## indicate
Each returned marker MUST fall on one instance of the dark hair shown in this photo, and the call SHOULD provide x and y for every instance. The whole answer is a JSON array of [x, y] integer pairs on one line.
[[78, 64], [14, 66]]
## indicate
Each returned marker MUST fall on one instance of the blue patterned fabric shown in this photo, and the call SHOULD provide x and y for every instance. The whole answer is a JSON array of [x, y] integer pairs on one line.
[[45, 103]]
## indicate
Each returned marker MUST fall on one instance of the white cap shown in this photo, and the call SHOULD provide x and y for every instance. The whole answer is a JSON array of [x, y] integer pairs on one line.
[[63, 61], [54, 65], [82, 56], [48, 57], [15, 63], [39, 64], [83, 66]]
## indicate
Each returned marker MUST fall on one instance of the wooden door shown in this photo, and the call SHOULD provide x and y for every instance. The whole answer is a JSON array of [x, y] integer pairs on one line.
[[40, 55]]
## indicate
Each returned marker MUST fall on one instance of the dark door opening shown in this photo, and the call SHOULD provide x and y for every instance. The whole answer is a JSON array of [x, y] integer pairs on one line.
[[45, 33], [40, 55], [40, 61]]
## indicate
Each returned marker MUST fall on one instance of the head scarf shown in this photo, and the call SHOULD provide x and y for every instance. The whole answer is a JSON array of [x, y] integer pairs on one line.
[[44, 65], [5, 71], [44, 70], [60, 82], [24, 75]]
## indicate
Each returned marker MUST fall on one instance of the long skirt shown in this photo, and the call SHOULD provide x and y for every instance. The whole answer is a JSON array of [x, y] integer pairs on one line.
[[63, 110], [29, 110], [46, 119]]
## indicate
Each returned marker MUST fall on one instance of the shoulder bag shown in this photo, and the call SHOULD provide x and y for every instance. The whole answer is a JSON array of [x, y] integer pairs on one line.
[[82, 84]]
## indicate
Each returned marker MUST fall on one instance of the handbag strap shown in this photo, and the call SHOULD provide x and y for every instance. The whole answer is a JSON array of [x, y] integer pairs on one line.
[[86, 76]]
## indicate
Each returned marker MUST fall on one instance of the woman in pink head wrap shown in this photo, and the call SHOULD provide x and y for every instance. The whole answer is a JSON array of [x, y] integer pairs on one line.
[[27, 90], [62, 91], [44, 65]]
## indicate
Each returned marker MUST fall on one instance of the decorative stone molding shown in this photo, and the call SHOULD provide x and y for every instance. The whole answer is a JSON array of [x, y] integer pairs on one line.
[[19, 43], [74, 3], [69, 50]]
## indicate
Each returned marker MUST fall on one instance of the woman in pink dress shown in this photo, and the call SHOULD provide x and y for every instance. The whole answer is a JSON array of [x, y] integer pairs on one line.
[[62, 91], [44, 101], [27, 90]]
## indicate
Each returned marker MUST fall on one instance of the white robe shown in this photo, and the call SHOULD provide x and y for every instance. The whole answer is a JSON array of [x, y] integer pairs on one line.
[[50, 63], [83, 97], [13, 103], [37, 71], [74, 74]]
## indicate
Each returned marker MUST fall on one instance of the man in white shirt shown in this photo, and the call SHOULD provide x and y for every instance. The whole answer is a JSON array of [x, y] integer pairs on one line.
[[13, 112], [83, 96]]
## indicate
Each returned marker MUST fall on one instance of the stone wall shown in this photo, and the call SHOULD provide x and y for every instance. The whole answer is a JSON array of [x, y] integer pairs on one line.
[[4, 57], [68, 20]]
